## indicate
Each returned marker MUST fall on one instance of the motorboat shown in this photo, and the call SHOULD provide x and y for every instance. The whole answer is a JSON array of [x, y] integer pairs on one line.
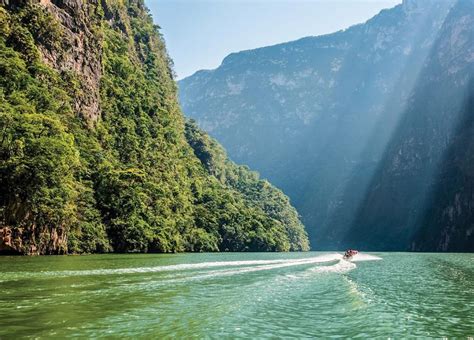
[[349, 254]]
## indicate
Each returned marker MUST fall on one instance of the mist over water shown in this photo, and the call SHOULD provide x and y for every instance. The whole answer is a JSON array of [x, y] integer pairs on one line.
[[238, 295]]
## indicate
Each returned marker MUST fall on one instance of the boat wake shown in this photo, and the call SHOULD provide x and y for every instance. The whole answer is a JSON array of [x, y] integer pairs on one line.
[[339, 267], [322, 264], [365, 257], [342, 266]]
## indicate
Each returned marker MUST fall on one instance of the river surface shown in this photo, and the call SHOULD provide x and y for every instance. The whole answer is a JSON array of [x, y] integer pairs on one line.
[[238, 295]]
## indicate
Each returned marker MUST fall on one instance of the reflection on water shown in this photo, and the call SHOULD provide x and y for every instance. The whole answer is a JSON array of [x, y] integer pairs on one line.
[[237, 295]]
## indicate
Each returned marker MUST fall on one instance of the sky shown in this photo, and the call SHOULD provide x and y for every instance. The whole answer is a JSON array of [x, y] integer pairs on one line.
[[199, 34]]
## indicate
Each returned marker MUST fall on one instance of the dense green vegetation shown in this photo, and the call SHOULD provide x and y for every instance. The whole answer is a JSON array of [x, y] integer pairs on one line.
[[259, 215], [137, 178]]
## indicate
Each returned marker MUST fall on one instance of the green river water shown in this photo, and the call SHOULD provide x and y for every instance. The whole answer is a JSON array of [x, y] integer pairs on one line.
[[237, 295]]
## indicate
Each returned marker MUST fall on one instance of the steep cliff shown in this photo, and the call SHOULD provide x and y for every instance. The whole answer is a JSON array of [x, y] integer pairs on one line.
[[354, 125], [94, 155], [426, 176]]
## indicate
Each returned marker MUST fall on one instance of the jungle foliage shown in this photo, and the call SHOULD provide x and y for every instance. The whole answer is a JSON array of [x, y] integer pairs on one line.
[[140, 178]]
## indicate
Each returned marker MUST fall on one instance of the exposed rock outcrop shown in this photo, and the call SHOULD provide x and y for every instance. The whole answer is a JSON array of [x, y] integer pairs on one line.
[[79, 51], [30, 240], [76, 51]]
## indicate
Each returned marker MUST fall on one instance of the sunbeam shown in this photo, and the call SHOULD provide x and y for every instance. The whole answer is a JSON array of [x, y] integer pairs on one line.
[[394, 201], [361, 133]]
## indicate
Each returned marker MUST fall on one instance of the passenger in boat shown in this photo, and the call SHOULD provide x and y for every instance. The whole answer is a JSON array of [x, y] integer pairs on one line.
[[349, 253]]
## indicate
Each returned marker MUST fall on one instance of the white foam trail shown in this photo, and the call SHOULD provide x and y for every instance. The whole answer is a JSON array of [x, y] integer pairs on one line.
[[342, 266], [247, 267], [365, 257], [156, 269], [283, 264], [188, 266]]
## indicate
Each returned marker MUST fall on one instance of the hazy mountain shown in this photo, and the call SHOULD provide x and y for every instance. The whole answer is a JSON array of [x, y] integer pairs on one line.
[[361, 128]]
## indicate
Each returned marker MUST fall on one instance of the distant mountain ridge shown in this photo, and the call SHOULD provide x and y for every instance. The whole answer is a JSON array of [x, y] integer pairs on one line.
[[326, 118]]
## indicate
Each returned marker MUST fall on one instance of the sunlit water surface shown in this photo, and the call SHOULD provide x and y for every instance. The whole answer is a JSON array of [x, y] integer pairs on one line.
[[251, 295]]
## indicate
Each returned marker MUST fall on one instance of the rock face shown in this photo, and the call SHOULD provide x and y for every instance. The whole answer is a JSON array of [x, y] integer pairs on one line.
[[77, 52], [32, 241], [80, 50], [362, 128]]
